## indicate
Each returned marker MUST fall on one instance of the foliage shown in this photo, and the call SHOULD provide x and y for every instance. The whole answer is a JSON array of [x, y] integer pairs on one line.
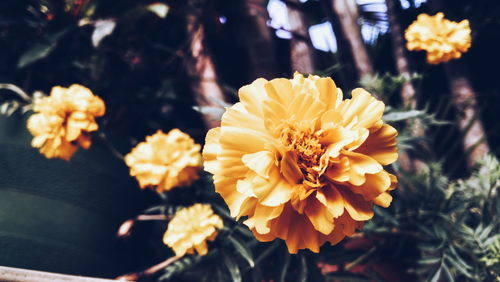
[[442, 225]]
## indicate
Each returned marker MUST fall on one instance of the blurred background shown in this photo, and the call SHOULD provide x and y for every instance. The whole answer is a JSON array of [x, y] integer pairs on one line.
[[176, 64]]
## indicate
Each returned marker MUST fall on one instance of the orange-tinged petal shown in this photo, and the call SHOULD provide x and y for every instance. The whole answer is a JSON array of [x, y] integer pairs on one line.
[[331, 198], [362, 106], [252, 96], [339, 171], [374, 185], [289, 168], [328, 92], [234, 199], [383, 200], [260, 219], [273, 191], [360, 165], [259, 162], [356, 206], [211, 149], [381, 145], [320, 216]]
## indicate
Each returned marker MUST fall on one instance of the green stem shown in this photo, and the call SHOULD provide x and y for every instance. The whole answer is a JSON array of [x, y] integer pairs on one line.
[[16, 90]]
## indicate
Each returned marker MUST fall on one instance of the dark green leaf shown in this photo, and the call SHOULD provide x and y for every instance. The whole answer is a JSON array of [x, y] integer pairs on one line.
[[242, 249], [40, 49], [233, 268]]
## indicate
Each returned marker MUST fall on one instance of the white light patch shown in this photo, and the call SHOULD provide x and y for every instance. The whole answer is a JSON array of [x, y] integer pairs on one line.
[[279, 18], [323, 38]]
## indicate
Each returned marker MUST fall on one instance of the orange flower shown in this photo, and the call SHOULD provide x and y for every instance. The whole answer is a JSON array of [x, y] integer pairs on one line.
[[63, 121], [441, 38], [165, 160], [191, 228], [299, 162]]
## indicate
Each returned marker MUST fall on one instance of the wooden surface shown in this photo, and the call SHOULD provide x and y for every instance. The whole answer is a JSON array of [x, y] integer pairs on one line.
[[17, 274]]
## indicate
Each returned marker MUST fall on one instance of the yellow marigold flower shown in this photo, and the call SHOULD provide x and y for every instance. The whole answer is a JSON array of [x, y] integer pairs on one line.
[[301, 163], [63, 121], [165, 160], [441, 38], [191, 228]]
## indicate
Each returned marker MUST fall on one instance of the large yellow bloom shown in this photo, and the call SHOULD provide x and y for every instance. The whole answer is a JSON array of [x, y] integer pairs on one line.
[[191, 228], [165, 160], [299, 162], [441, 38], [63, 121]]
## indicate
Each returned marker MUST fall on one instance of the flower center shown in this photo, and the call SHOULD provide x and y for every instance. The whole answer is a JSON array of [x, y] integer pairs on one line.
[[308, 151]]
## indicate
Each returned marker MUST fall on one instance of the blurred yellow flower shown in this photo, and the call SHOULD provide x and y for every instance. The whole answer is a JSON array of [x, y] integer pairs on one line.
[[442, 39], [191, 228], [165, 160], [63, 121], [301, 163]]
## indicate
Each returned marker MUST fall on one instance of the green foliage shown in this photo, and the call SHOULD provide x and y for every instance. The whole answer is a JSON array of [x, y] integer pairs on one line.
[[452, 225]]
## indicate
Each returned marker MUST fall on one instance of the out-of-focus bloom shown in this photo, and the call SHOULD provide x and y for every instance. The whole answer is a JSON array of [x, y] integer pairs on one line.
[[299, 162], [165, 161], [191, 228], [442, 39], [63, 121]]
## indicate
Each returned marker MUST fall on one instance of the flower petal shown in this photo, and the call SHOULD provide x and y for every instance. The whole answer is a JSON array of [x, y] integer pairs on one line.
[[211, 149], [331, 198], [320, 217], [252, 95], [328, 92], [259, 162], [381, 145], [362, 106], [273, 191], [356, 206], [375, 185], [383, 200], [360, 165]]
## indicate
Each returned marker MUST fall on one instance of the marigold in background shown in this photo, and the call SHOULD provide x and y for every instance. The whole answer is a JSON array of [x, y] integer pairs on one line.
[[165, 161], [441, 38], [301, 163], [191, 228], [64, 120]]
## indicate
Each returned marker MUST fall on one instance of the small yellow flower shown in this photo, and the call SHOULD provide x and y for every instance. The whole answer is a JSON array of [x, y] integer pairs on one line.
[[63, 121], [442, 39], [191, 228], [299, 162], [165, 160]]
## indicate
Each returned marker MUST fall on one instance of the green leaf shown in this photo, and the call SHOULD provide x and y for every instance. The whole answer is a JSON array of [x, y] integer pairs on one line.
[[303, 269], [233, 268], [400, 116], [67, 213], [242, 249], [40, 49], [284, 268], [436, 275]]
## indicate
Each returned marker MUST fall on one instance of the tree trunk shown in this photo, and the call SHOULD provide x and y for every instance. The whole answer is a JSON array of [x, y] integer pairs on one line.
[[401, 60], [344, 12], [475, 142], [258, 39], [200, 67], [407, 161], [301, 50], [463, 97]]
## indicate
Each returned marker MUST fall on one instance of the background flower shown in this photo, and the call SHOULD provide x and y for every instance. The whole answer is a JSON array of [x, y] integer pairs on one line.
[[165, 160], [441, 38], [191, 228], [299, 162], [63, 121]]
